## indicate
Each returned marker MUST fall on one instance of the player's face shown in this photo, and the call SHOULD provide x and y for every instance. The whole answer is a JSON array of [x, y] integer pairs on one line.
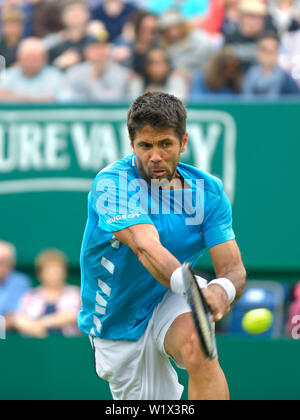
[[157, 152]]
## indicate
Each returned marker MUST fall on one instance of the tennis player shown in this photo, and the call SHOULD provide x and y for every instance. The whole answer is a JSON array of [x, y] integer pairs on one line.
[[147, 215]]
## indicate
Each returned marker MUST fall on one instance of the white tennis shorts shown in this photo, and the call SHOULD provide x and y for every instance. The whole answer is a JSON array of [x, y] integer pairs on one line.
[[142, 370]]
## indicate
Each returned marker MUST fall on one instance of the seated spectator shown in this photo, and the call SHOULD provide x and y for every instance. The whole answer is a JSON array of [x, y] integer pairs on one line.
[[253, 23], [113, 14], [53, 307], [32, 79], [132, 53], [13, 285], [71, 42], [266, 79], [285, 14], [188, 49], [294, 312], [12, 22], [99, 78], [222, 78], [160, 77]]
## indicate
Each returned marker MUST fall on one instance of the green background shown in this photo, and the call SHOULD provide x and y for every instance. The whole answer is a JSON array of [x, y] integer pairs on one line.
[[59, 368], [266, 222], [267, 195]]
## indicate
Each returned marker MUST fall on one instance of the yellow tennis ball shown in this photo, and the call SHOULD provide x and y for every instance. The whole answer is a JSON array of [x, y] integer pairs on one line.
[[257, 321]]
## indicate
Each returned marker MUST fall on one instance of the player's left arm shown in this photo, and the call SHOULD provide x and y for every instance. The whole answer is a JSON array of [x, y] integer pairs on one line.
[[227, 261]]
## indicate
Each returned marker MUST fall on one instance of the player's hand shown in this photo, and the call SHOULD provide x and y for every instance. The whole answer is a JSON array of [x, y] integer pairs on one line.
[[217, 300]]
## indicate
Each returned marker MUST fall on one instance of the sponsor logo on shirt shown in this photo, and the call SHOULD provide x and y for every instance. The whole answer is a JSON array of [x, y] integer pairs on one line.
[[123, 217]]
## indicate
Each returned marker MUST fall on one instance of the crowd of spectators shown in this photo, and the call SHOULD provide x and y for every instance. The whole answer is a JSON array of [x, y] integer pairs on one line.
[[51, 308], [115, 50]]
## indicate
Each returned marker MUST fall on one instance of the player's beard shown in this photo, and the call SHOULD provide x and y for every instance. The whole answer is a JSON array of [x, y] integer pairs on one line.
[[148, 176]]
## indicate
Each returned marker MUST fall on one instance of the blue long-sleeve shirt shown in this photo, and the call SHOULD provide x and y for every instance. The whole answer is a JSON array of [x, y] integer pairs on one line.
[[277, 83], [12, 290]]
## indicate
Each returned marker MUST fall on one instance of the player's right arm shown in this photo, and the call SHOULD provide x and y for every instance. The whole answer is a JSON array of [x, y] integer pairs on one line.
[[144, 241]]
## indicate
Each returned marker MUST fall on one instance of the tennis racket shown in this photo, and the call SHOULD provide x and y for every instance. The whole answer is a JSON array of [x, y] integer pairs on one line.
[[201, 312]]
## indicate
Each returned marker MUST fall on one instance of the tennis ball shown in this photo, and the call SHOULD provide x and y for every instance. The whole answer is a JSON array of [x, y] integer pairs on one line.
[[257, 321]]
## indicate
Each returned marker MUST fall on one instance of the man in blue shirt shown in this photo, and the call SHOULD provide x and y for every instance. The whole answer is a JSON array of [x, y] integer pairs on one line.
[[148, 214], [13, 285], [266, 79]]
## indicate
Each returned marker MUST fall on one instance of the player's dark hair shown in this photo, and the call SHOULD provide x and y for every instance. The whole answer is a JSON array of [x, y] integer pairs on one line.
[[159, 110]]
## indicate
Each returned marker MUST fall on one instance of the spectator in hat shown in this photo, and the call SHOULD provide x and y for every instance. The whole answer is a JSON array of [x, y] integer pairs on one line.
[[99, 78], [13, 284], [12, 22], [72, 40], [266, 79], [53, 307], [32, 79], [254, 21], [187, 49]]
